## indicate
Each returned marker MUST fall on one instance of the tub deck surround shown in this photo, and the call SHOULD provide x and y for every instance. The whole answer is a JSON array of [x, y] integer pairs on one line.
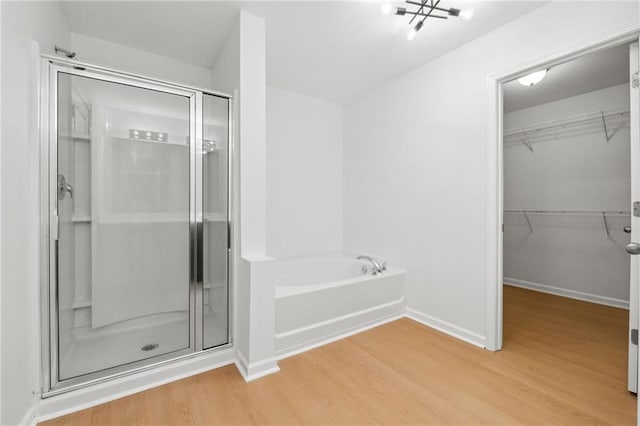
[[324, 298], [254, 320]]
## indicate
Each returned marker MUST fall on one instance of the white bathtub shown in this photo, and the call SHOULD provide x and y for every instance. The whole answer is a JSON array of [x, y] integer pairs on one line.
[[321, 299]]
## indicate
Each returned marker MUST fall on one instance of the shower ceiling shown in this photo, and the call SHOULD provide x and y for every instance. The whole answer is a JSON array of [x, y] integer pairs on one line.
[[329, 50]]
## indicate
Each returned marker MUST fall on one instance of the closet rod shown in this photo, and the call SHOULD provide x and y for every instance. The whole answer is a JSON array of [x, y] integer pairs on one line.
[[570, 121], [570, 212], [602, 214]]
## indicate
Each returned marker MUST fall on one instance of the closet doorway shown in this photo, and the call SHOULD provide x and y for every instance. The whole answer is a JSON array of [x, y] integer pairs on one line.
[[571, 172]]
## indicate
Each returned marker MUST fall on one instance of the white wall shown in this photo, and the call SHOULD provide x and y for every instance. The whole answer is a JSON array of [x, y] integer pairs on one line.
[[579, 170], [22, 22], [414, 161], [252, 135], [225, 72], [125, 58], [240, 69], [225, 76], [240, 66], [1, 93], [304, 174]]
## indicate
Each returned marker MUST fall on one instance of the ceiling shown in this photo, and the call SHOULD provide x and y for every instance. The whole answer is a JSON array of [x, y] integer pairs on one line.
[[328, 50], [585, 74], [187, 31]]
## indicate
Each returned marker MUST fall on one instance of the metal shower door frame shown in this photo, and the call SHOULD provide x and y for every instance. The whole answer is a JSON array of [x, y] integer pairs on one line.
[[51, 68]]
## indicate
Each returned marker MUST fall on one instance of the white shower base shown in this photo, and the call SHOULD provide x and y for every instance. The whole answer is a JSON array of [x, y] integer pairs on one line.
[[93, 351]]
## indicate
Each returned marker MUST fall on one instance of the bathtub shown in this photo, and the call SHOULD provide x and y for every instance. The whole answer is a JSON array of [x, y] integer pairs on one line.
[[321, 299]]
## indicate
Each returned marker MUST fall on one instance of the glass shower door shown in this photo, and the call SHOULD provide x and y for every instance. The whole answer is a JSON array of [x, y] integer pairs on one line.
[[124, 282], [215, 183]]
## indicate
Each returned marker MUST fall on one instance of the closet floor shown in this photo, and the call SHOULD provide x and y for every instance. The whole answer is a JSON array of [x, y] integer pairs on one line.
[[564, 362]]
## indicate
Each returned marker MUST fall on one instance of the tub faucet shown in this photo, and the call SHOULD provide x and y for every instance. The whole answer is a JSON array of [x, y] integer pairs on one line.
[[377, 266]]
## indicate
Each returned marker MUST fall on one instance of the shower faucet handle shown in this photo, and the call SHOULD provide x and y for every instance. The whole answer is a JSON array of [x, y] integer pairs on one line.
[[64, 187]]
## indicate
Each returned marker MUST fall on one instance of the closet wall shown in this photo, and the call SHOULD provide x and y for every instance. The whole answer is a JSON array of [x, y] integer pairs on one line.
[[575, 169]]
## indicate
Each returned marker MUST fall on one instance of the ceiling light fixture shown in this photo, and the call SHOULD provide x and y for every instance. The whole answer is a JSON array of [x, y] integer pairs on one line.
[[386, 8], [466, 14], [150, 135], [425, 9], [413, 32], [533, 78]]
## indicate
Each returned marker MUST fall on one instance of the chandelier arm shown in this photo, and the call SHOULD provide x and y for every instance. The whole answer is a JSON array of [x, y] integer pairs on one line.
[[430, 11], [425, 15], [422, 6], [415, 3]]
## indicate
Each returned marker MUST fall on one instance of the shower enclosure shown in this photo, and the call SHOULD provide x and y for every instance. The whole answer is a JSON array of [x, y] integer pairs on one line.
[[136, 202]]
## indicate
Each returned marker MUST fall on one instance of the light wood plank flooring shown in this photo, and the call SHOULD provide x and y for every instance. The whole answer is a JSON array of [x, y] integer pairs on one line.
[[564, 362]]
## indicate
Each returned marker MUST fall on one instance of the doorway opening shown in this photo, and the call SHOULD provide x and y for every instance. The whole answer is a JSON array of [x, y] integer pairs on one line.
[[495, 148], [567, 219], [566, 188]]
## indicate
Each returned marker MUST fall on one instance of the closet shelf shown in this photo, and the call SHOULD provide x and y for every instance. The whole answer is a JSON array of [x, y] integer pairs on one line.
[[602, 213], [571, 212], [598, 119]]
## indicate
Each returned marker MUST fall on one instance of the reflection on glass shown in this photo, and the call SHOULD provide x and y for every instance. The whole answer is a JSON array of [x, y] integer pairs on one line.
[[123, 270], [215, 165]]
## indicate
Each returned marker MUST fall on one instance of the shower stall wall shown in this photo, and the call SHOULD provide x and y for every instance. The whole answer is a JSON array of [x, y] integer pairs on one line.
[[136, 200]]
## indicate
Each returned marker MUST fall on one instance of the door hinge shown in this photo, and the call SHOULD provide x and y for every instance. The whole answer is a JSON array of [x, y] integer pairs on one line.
[[634, 336], [635, 80], [636, 208]]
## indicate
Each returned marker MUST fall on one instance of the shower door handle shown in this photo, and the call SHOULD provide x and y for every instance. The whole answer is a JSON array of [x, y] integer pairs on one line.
[[632, 248], [64, 187]]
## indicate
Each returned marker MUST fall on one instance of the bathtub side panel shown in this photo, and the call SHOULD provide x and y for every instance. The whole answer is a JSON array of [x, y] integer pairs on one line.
[[309, 317]]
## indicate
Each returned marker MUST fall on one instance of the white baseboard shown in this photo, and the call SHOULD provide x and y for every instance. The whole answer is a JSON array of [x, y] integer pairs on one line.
[[30, 417], [427, 320], [285, 353], [588, 297], [90, 396], [447, 328], [253, 371]]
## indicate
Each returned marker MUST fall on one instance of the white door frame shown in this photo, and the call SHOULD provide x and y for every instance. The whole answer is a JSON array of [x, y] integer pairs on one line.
[[494, 161]]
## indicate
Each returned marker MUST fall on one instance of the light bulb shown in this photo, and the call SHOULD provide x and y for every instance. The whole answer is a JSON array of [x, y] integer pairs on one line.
[[466, 14], [411, 34], [386, 8], [533, 78]]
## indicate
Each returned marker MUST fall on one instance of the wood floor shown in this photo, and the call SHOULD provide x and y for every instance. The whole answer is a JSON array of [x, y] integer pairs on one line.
[[564, 362]]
